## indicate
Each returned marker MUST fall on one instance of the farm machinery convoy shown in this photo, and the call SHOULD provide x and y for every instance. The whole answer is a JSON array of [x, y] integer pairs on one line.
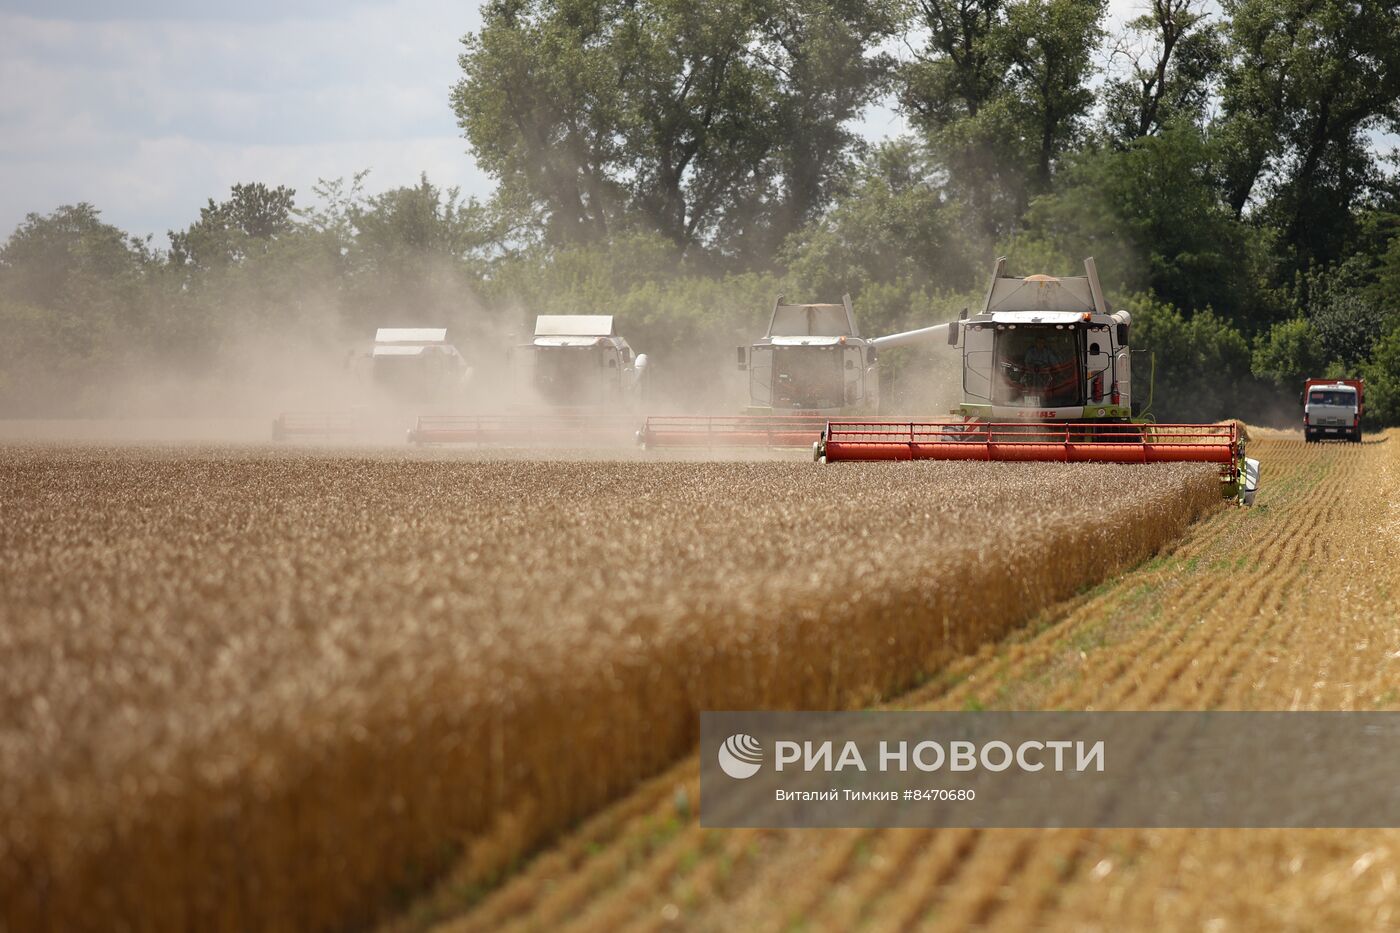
[[1046, 370]]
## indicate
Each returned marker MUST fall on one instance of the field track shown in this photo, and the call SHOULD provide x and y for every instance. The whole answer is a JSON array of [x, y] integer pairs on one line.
[[1292, 605]]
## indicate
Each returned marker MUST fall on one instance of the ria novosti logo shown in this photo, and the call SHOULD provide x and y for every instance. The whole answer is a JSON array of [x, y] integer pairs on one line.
[[740, 756]]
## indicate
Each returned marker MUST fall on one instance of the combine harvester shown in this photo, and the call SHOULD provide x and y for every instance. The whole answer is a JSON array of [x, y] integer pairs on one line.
[[811, 365], [406, 365], [585, 378], [1046, 377]]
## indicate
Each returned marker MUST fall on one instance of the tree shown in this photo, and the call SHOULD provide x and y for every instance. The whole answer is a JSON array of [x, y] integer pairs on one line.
[[717, 128], [1202, 364], [71, 260], [1289, 353], [1050, 46], [1382, 376], [1152, 217], [958, 74], [1347, 323], [893, 227], [1306, 84], [418, 255], [724, 126], [72, 307], [229, 231], [1000, 90], [1171, 56]]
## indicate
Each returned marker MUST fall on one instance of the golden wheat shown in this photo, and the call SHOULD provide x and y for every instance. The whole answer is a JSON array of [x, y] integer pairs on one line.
[[1289, 605], [250, 690]]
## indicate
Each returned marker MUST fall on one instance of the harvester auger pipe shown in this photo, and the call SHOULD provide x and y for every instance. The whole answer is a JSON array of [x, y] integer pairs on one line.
[[909, 337]]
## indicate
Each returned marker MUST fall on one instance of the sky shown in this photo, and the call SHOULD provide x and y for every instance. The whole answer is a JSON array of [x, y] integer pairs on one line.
[[148, 108]]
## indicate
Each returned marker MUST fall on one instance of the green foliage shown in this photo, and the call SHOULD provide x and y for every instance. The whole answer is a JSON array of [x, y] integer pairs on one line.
[[72, 292], [1172, 55], [70, 261], [1150, 216], [1382, 375], [1001, 90], [1307, 84], [894, 227], [723, 126], [1289, 353], [244, 225], [1202, 363], [680, 166]]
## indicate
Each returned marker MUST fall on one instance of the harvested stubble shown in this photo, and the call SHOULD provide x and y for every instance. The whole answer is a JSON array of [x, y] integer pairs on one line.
[[248, 690]]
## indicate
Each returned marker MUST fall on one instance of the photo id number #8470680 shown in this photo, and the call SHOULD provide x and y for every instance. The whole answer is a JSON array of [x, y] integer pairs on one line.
[[940, 793]]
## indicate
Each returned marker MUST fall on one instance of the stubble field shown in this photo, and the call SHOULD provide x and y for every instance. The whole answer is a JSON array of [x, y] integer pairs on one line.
[[1289, 606], [257, 689]]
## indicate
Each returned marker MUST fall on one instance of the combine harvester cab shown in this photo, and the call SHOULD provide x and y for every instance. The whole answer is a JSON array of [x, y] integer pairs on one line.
[[810, 365], [583, 378], [416, 364], [1047, 376]]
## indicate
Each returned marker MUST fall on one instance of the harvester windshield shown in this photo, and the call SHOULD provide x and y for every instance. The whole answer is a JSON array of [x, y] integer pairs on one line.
[[1037, 366], [570, 376], [415, 373], [808, 377]]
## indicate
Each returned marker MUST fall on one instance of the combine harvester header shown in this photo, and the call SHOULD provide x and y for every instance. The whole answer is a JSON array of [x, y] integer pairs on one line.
[[1046, 377]]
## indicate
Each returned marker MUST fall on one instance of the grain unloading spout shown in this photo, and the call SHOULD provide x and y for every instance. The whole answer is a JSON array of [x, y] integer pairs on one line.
[[910, 337]]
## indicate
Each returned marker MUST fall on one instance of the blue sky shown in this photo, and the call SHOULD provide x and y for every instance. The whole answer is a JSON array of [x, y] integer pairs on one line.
[[147, 108]]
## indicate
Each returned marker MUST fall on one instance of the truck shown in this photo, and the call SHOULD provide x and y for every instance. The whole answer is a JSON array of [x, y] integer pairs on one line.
[[1332, 408]]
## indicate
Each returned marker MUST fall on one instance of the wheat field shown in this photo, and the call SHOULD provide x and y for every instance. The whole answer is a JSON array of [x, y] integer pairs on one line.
[[1286, 606], [255, 689]]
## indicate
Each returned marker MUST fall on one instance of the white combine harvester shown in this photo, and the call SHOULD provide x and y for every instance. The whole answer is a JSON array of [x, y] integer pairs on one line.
[[576, 381], [580, 361], [812, 364], [405, 365], [1047, 376], [417, 364]]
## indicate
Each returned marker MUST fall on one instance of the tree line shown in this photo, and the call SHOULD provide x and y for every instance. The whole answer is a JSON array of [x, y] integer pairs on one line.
[[680, 164]]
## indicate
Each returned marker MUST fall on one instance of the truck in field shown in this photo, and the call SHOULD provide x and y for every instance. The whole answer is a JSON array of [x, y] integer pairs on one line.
[[1332, 408]]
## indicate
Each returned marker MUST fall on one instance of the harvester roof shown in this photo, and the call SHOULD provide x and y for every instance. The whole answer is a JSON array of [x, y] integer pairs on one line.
[[410, 335], [813, 320], [1076, 294], [574, 325]]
